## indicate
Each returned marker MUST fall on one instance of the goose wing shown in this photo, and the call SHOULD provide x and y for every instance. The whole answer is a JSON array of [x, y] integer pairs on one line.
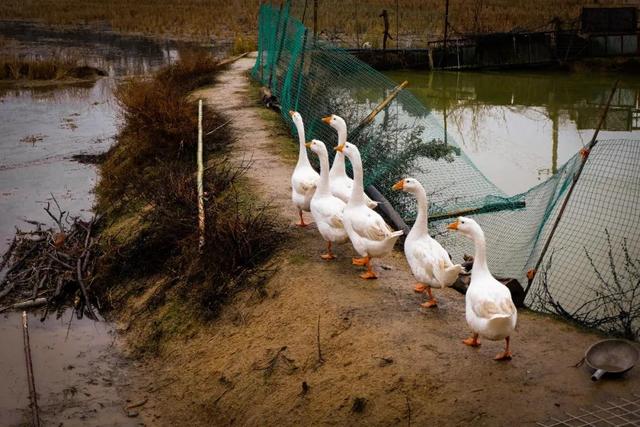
[[369, 225], [488, 308]]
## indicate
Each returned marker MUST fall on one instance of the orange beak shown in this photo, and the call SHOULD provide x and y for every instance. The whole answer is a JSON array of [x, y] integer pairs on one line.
[[308, 144], [454, 225], [398, 185], [327, 119], [339, 147], [291, 113]]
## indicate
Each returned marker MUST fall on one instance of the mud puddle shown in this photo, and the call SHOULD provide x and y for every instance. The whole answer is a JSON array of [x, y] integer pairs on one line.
[[77, 370]]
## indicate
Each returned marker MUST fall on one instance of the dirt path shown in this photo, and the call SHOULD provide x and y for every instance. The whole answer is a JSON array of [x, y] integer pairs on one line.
[[325, 347]]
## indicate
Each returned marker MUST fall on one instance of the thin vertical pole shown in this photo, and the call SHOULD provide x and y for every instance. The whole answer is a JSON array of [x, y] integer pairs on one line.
[[397, 26], [357, 29], [315, 20], [304, 12], [199, 184], [446, 28], [531, 274], [30, 377]]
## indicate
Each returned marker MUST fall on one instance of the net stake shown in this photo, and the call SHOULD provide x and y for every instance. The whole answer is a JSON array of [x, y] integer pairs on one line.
[[372, 115], [584, 154]]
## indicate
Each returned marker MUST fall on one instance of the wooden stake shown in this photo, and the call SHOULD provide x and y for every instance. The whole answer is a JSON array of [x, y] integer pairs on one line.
[[315, 20], [531, 274], [35, 417], [379, 108], [200, 185], [397, 26], [443, 60]]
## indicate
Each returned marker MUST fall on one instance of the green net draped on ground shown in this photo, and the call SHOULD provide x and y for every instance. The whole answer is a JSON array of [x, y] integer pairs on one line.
[[591, 271]]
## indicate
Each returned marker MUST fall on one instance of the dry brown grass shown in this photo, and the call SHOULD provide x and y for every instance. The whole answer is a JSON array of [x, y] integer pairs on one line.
[[202, 20], [14, 68], [148, 183]]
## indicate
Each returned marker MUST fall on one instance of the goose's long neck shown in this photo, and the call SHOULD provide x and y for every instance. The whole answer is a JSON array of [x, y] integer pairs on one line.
[[480, 266], [421, 226], [338, 169], [303, 159], [357, 194], [324, 187]]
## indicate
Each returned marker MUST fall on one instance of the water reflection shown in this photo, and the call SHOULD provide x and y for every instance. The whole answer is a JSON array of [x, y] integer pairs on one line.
[[100, 47], [519, 127]]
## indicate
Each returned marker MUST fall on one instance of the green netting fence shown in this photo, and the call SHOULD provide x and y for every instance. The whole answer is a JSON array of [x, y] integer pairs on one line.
[[591, 272]]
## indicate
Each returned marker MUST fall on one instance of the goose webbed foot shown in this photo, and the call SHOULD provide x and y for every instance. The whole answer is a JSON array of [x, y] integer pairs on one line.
[[506, 354], [472, 341]]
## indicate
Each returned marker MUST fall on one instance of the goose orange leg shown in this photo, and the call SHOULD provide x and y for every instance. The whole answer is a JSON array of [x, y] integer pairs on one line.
[[369, 274], [506, 354], [420, 288], [301, 223], [431, 302], [360, 261], [329, 255], [472, 341]]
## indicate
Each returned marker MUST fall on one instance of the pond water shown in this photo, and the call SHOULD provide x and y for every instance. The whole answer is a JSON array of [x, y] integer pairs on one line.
[[42, 128], [76, 367], [519, 127]]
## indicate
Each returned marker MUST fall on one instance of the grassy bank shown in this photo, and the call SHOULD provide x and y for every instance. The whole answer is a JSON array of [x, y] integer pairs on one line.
[[14, 69], [199, 20], [147, 192]]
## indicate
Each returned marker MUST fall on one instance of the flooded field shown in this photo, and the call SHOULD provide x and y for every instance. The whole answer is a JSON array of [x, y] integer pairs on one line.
[[43, 128], [76, 365]]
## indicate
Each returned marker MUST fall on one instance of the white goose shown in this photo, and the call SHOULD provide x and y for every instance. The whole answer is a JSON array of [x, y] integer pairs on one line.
[[341, 184], [304, 178], [327, 209], [369, 234], [429, 261], [490, 311]]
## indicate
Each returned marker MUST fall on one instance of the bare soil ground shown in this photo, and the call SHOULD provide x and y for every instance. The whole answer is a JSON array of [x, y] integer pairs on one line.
[[325, 347]]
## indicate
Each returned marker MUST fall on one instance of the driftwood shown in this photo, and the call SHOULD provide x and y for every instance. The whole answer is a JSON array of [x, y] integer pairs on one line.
[[51, 267]]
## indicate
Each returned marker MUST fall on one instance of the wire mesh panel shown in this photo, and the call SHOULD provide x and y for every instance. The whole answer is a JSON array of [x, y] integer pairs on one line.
[[620, 413], [591, 272]]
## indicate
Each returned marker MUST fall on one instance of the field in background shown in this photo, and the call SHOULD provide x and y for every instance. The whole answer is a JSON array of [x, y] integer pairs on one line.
[[420, 20]]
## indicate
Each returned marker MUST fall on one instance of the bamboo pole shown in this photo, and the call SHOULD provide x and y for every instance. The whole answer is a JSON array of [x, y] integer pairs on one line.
[[531, 274], [199, 178], [379, 108], [35, 417]]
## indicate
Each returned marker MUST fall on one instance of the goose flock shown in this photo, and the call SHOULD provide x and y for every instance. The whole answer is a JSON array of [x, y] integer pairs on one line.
[[343, 212]]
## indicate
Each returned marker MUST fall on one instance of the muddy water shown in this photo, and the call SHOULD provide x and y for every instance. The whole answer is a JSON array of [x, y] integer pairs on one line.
[[77, 371], [41, 129], [77, 367]]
